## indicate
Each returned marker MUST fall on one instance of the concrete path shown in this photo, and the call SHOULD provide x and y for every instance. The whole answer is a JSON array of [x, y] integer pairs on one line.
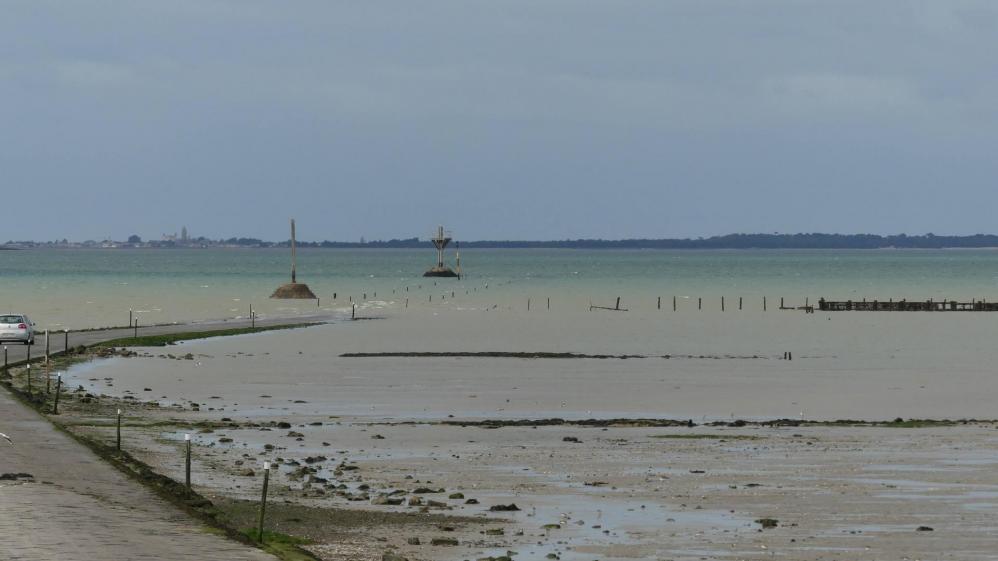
[[77, 507], [57, 340]]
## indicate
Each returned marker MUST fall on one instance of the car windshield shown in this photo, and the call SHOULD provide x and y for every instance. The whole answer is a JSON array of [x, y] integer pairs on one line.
[[11, 319]]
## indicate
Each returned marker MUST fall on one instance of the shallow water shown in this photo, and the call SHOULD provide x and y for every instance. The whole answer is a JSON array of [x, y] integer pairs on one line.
[[87, 288]]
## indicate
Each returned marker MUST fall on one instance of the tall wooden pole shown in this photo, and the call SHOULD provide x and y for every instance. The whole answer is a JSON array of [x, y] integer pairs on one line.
[[293, 256]]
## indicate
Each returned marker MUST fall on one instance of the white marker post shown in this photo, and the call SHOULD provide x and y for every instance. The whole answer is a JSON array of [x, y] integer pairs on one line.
[[263, 499], [187, 439], [118, 445]]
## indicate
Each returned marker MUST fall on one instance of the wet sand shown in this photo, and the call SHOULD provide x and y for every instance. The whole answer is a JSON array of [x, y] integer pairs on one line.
[[615, 492]]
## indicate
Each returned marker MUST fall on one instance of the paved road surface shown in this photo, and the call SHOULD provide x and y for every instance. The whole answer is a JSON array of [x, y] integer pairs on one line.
[[79, 508], [57, 340]]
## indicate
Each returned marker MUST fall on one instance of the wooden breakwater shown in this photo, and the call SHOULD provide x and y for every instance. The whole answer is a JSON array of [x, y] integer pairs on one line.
[[906, 306]]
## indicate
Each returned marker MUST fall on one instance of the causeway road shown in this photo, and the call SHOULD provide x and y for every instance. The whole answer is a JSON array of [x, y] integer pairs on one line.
[[75, 506]]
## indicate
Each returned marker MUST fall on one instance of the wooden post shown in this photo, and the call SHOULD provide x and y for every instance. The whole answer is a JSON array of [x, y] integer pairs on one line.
[[252, 317], [48, 379], [136, 331], [29, 379], [5, 366], [617, 307], [673, 303], [528, 304], [293, 253], [764, 303], [699, 303], [65, 343], [353, 311], [129, 317], [659, 302], [187, 464], [407, 303], [739, 302], [58, 389], [117, 444], [722, 303], [263, 500], [549, 302], [46, 346], [781, 302]]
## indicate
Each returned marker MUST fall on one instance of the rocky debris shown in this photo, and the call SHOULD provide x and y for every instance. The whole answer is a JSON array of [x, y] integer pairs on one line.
[[225, 440], [315, 459], [767, 523], [471, 502], [248, 472], [392, 557], [15, 476], [425, 490], [571, 439], [924, 529], [495, 532], [444, 541], [412, 541], [378, 437], [283, 425], [456, 496], [511, 507], [295, 434], [386, 500], [415, 501]]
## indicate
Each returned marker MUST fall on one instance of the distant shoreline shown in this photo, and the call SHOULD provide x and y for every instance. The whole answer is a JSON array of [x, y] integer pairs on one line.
[[727, 242]]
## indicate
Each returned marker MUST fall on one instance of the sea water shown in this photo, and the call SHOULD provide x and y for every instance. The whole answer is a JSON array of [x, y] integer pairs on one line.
[[90, 288]]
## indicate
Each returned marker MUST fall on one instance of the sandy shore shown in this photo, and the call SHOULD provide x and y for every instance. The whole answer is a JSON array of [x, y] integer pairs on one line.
[[375, 431]]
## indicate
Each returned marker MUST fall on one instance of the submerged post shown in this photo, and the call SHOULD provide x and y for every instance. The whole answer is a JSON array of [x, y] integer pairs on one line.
[[263, 500]]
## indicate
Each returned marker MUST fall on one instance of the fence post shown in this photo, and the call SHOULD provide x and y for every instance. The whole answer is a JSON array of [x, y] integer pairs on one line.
[[117, 444], [58, 388], [263, 500], [187, 470]]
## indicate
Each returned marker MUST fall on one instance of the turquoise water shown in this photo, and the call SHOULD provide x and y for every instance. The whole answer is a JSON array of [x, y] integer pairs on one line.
[[85, 288]]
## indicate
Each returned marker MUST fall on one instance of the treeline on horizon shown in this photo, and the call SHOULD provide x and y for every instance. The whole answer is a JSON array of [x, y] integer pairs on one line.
[[730, 241]]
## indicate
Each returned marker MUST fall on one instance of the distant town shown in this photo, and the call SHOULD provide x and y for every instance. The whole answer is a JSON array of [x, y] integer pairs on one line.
[[731, 241]]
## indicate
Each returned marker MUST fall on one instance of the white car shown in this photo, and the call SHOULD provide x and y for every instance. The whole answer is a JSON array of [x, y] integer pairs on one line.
[[17, 327]]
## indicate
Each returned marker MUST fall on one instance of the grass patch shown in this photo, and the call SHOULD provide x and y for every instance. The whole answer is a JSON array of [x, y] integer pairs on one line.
[[708, 436], [274, 537], [172, 338]]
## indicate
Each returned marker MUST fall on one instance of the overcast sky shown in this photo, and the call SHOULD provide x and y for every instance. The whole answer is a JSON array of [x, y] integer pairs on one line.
[[502, 119]]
